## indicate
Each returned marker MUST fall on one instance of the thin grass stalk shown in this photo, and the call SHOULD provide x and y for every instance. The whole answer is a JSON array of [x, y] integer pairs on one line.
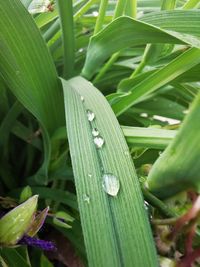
[[119, 9], [131, 8], [84, 9], [56, 25], [191, 4], [65, 9], [52, 30], [106, 67], [101, 16], [166, 5]]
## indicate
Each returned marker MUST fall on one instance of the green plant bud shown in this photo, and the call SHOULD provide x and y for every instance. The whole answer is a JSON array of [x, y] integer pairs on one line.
[[16, 223], [25, 194]]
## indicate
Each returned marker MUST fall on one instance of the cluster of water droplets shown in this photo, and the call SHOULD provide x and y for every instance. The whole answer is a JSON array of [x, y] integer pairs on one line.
[[110, 183], [98, 140]]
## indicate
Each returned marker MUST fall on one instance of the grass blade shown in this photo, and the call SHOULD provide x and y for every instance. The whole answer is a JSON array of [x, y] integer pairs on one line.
[[66, 18], [133, 32], [148, 137], [161, 77]]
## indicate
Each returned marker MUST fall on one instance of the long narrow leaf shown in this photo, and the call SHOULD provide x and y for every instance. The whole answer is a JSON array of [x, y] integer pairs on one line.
[[116, 224], [148, 137], [27, 67]]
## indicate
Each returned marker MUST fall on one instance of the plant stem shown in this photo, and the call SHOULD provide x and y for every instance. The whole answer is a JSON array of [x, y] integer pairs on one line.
[[107, 66], [119, 10], [131, 8], [65, 9], [154, 201], [52, 30], [84, 9], [191, 4], [142, 64], [168, 5], [100, 18]]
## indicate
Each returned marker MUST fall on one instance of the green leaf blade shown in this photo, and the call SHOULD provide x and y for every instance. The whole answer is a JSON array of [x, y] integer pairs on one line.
[[112, 223], [27, 67]]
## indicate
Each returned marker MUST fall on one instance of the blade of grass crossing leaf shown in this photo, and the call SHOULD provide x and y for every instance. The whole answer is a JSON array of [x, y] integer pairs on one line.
[[118, 225], [148, 137], [163, 76]]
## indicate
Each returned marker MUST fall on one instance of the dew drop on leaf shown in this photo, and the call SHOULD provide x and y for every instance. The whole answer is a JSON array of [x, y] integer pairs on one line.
[[90, 115], [99, 141], [86, 198], [111, 184], [95, 132]]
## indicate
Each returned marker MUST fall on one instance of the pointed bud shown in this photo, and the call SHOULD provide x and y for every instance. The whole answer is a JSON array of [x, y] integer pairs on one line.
[[62, 218], [37, 223], [15, 223]]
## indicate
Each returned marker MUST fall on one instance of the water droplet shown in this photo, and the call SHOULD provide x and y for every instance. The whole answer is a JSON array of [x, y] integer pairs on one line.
[[89, 175], [111, 184], [95, 132], [98, 141], [90, 115], [86, 198], [80, 50], [146, 205], [160, 153], [82, 98]]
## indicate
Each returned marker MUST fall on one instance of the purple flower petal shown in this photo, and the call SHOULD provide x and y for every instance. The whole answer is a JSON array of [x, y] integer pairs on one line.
[[42, 244]]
